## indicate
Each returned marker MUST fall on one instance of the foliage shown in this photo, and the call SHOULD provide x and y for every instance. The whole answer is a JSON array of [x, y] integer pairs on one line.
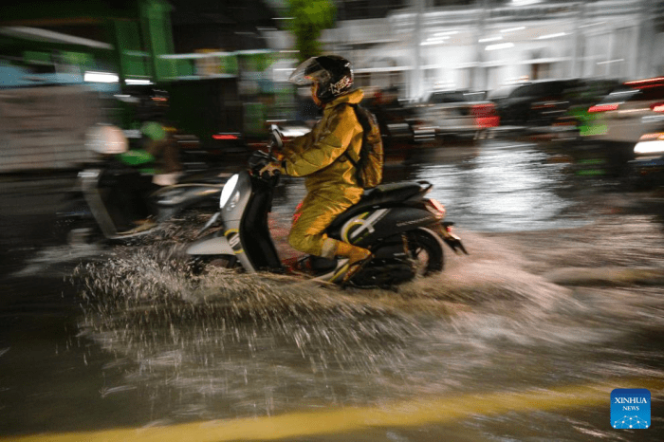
[[310, 17]]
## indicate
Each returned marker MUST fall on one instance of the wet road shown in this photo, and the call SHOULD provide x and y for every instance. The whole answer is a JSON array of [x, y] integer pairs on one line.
[[560, 302]]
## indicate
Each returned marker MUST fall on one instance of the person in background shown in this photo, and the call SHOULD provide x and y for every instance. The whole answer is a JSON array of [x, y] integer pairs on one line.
[[158, 141], [153, 161]]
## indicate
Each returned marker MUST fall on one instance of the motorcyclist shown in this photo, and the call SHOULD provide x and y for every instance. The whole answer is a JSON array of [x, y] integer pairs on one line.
[[153, 162], [157, 140], [331, 182]]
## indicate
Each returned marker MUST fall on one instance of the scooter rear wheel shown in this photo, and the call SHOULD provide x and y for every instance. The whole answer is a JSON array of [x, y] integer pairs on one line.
[[76, 232], [426, 252]]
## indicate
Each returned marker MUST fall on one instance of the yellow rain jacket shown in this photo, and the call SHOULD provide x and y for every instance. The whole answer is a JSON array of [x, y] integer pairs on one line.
[[329, 175], [310, 155]]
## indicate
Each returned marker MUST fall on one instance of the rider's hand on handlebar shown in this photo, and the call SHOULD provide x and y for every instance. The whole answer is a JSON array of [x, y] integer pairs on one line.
[[270, 169]]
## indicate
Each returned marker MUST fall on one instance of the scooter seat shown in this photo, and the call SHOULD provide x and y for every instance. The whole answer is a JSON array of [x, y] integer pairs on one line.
[[211, 176], [386, 193], [379, 195]]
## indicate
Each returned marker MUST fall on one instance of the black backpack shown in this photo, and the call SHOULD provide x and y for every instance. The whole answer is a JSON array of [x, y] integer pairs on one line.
[[369, 167]]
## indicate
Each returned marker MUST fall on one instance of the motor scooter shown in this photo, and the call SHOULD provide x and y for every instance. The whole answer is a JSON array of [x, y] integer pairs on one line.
[[404, 231], [114, 201]]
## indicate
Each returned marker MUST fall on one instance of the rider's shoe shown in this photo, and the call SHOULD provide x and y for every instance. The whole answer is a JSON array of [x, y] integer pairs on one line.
[[357, 258], [141, 226], [142, 222], [147, 225]]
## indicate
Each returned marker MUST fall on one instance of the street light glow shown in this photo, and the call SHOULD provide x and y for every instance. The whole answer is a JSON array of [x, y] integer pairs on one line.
[[544, 37], [100, 77], [525, 2], [499, 46], [519, 28], [137, 81]]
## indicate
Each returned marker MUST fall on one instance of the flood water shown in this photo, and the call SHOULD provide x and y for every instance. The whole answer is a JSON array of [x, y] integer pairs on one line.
[[561, 292]]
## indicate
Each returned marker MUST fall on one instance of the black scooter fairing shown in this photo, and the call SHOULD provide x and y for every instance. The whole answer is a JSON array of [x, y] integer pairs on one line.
[[382, 195], [383, 212], [255, 233]]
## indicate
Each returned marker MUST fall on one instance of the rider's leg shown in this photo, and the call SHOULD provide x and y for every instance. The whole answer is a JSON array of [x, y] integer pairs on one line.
[[309, 224], [354, 254], [307, 234]]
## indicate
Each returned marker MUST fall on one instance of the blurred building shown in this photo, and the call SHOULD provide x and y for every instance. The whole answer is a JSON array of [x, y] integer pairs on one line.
[[220, 25], [239, 55], [55, 58], [422, 45], [115, 41], [67, 65]]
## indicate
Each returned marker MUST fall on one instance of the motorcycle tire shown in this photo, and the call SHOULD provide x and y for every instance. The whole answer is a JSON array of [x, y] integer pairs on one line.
[[76, 232], [200, 265], [426, 252]]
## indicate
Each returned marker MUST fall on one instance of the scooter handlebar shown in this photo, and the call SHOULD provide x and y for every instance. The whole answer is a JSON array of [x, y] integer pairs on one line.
[[257, 162], [267, 175], [260, 159], [276, 138]]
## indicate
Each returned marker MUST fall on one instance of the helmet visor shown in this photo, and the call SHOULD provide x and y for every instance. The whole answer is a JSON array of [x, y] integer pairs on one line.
[[307, 72]]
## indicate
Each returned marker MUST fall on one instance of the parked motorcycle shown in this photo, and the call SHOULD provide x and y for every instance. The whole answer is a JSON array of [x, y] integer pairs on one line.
[[404, 230]]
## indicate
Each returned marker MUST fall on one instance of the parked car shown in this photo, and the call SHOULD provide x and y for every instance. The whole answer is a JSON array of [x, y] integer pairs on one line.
[[538, 103], [625, 114], [455, 112], [647, 167]]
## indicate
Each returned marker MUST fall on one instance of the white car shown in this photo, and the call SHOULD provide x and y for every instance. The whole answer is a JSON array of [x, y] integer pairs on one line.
[[647, 167], [456, 112]]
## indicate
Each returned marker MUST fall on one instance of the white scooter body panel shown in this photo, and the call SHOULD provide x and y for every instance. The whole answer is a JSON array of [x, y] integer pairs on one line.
[[230, 242], [217, 245]]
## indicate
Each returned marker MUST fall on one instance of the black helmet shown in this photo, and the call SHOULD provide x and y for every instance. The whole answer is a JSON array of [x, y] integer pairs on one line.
[[332, 74]]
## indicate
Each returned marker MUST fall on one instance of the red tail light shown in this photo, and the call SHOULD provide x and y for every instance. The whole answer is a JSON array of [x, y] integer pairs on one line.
[[437, 209], [224, 137], [652, 136], [657, 107], [483, 110], [603, 107], [485, 115], [646, 81]]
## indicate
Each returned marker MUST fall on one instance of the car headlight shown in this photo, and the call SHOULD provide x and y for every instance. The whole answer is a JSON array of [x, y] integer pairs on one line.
[[654, 147], [227, 191]]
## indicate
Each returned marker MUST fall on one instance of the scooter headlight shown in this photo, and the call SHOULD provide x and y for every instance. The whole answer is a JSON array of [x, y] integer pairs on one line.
[[227, 191]]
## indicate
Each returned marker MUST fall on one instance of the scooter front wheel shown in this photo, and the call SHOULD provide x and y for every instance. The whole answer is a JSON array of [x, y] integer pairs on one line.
[[201, 265]]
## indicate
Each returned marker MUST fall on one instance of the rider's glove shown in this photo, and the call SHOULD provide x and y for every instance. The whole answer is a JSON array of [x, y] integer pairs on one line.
[[270, 168]]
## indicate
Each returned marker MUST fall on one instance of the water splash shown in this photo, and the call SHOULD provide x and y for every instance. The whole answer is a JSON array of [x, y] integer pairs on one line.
[[265, 342], [240, 344]]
